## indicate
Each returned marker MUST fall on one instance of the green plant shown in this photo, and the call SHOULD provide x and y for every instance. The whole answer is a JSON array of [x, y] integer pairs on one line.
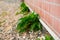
[[48, 37], [29, 22], [23, 9]]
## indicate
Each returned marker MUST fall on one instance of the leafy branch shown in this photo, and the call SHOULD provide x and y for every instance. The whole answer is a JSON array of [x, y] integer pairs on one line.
[[23, 9], [29, 23]]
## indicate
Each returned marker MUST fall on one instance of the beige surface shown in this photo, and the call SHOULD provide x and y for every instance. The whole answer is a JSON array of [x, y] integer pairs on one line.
[[7, 15], [8, 20]]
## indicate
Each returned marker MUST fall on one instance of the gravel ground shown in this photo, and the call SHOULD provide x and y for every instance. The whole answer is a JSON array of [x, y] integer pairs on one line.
[[8, 21]]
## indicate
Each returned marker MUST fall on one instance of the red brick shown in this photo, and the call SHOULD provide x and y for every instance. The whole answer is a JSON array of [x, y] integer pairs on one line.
[[55, 10], [52, 9], [56, 26], [48, 18], [55, 1]]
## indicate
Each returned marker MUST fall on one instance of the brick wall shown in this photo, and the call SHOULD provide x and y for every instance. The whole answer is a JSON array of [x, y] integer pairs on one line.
[[49, 11]]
